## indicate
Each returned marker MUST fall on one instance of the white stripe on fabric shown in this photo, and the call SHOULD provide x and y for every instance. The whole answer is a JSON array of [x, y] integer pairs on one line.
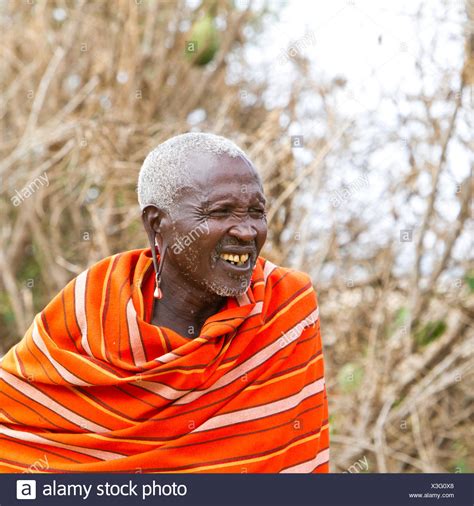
[[37, 396], [268, 269], [168, 357], [257, 308], [161, 389], [243, 299], [80, 308], [310, 465], [250, 414], [138, 351], [64, 373], [34, 438]]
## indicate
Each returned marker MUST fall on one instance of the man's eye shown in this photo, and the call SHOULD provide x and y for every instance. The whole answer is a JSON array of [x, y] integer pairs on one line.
[[220, 212], [225, 211]]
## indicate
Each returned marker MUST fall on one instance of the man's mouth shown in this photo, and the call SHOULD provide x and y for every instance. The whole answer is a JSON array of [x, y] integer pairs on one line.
[[235, 259]]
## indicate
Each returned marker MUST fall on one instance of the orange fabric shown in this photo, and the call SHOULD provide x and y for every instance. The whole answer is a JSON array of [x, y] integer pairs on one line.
[[94, 387]]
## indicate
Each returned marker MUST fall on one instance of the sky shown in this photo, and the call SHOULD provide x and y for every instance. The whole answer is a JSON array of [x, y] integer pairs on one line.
[[374, 46], [372, 43]]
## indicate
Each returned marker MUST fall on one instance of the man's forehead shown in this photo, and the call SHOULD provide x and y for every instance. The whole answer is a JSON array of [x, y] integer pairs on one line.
[[224, 191], [209, 165], [207, 169], [217, 176], [222, 195]]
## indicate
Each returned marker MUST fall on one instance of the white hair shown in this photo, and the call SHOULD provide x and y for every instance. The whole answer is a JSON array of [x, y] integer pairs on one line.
[[165, 170]]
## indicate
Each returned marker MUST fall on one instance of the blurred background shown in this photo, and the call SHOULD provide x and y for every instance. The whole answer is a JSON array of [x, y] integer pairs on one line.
[[358, 115]]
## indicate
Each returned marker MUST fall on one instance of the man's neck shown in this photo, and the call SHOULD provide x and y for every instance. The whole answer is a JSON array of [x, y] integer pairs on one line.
[[183, 304]]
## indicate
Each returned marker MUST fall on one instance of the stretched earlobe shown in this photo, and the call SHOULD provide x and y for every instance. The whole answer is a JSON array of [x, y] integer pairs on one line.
[[158, 294], [152, 217]]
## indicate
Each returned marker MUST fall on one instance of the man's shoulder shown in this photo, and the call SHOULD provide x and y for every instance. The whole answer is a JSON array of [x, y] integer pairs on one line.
[[274, 275], [128, 257], [287, 291]]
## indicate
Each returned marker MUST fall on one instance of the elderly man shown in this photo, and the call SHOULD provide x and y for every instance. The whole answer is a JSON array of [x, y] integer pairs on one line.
[[193, 355]]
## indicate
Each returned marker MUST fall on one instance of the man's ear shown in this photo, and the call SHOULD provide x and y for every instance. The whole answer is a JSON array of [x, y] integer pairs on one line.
[[152, 218]]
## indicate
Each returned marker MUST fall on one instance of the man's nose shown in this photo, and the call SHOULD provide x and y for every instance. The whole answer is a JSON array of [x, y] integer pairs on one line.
[[244, 232]]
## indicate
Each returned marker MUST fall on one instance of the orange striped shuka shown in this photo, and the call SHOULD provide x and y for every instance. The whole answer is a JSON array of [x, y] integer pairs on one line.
[[93, 386]]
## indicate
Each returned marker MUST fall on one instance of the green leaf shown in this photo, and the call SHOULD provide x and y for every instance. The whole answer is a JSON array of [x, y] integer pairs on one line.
[[401, 316], [205, 34], [469, 278], [350, 377], [459, 466], [430, 332]]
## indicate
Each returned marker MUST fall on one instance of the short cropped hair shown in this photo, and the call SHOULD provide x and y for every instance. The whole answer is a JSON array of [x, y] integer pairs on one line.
[[165, 170]]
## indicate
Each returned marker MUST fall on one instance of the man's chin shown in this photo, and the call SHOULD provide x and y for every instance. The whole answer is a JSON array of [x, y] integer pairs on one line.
[[227, 290]]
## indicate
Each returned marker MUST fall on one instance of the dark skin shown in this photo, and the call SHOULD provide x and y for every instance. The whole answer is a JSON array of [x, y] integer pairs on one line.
[[222, 211]]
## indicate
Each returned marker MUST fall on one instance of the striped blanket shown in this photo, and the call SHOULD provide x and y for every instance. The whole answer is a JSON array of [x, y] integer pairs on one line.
[[93, 386]]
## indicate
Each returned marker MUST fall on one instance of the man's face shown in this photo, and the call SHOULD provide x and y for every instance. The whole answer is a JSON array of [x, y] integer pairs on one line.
[[220, 217]]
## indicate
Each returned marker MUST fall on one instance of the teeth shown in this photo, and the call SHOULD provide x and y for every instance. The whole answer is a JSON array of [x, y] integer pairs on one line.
[[235, 259]]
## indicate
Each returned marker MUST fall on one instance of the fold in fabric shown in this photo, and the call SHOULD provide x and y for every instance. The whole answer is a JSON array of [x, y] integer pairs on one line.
[[93, 386]]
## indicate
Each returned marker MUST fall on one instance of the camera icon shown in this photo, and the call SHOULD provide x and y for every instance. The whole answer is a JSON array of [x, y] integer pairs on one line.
[[25, 489]]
